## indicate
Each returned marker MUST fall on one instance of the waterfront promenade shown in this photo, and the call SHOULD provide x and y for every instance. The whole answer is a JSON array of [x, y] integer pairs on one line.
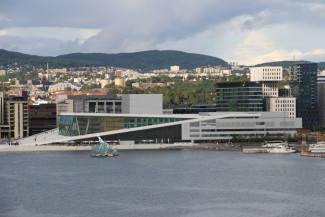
[[29, 148]]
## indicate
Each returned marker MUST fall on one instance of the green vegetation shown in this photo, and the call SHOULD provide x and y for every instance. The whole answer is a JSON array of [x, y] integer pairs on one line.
[[89, 87], [149, 60], [19, 76], [178, 91], [267, 137], [234, 78]]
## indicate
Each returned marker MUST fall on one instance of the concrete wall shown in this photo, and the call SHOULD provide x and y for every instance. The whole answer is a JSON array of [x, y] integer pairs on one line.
[[142, 104]]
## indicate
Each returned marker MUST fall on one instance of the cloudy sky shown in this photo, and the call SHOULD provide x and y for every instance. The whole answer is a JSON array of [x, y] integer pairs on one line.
[[245, 31]]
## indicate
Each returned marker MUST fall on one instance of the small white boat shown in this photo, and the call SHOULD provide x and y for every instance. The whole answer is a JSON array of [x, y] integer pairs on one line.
[[271, 144], [281, 149], [319, 147]]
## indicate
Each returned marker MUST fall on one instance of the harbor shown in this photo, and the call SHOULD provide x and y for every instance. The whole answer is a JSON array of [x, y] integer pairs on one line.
[[308, 154], [42, 148], [227, 182], [244, 148]]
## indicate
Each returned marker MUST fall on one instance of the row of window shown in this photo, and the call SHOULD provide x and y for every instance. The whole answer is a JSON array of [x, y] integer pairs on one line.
[[272, 70], [275, 77]]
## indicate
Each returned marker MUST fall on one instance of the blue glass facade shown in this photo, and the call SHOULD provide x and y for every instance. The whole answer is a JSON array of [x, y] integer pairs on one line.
[[303, 82]]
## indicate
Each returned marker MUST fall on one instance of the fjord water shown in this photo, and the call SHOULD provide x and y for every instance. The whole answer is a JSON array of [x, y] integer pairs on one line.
[[161, 183]]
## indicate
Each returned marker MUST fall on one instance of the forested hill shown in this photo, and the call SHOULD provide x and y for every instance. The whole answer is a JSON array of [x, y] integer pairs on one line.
[[9, 58], [146, 60], [286, 64]]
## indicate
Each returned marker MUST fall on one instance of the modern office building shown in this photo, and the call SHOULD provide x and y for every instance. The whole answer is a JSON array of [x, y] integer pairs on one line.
[[270, 77], [321, 104], [321, 99], [239, 97], [280, 104], [303, 82], [41, 118]]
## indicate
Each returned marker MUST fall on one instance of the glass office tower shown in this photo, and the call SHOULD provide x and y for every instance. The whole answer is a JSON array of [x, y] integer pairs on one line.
[[239, 97], [303, 82]]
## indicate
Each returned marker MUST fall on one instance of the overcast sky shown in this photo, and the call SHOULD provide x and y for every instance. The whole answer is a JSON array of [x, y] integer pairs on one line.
[[245, 31]]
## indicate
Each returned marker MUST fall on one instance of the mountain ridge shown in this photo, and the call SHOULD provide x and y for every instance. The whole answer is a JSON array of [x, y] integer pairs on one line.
[[287, 63], [143, 60]]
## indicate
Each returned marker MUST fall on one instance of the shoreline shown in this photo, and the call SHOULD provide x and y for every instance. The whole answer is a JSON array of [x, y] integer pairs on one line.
[[17, 148], [205, 146]]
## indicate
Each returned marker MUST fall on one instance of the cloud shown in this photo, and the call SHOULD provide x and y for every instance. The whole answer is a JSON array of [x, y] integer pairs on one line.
[[50, 47], [244, 31], [257, 48]]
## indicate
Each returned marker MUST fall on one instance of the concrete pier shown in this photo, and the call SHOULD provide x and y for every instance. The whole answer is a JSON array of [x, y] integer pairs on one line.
[[254, 150], [307, 154]]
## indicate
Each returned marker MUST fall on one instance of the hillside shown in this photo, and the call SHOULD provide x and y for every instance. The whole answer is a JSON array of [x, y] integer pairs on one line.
[[9, 58], [286, 64], [146, 60]]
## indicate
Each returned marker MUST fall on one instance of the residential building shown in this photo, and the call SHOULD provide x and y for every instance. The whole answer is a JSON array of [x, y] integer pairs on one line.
[[105, 82], [14, 116], [58, 87], [174, 68], [120, 82], [3, 72], [198, 70]]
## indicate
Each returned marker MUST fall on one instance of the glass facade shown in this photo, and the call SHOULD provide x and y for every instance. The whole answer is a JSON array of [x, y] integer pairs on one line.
[[239, 97], [74, 125], [195, 109], [303, 82]]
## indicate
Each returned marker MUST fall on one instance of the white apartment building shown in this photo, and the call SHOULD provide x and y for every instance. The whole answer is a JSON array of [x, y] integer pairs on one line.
[[174, 68], [269, 76], [282, 104]]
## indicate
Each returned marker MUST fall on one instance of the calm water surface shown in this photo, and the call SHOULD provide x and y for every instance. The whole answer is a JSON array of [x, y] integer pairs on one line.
[[161, 183]]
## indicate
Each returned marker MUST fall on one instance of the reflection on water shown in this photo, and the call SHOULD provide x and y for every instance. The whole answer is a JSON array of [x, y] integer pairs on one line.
[[161, 183]]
